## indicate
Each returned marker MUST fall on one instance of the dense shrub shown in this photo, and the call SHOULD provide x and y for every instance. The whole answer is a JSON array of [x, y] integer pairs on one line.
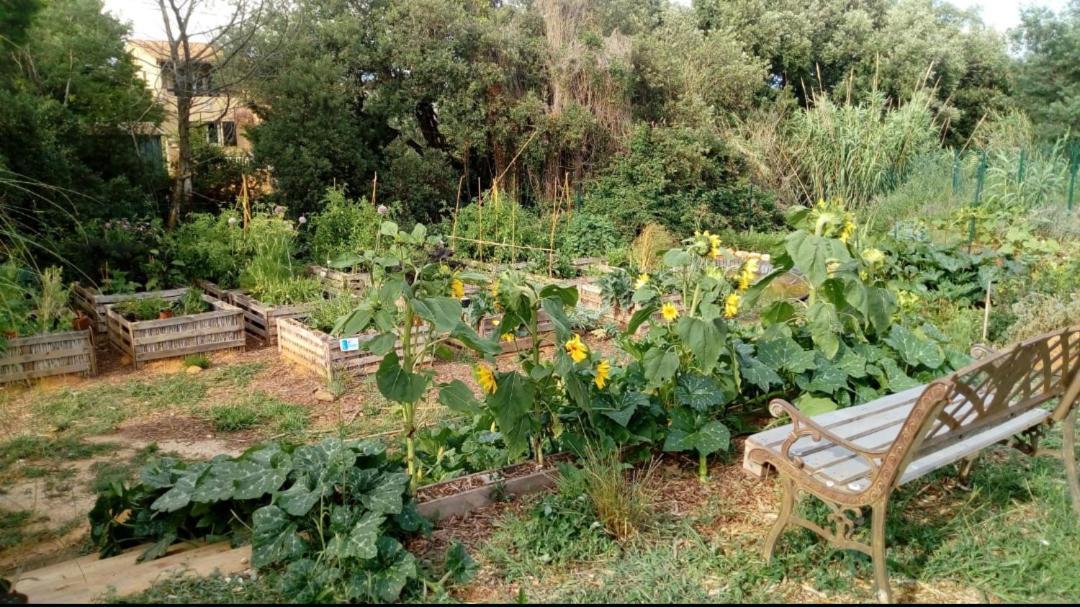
[[586, 235]]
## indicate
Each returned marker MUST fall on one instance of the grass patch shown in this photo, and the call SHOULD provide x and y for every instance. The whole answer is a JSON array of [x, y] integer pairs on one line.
[[101, 409], [258, 410], [238, 375], [215, 588], [40, 449], [11, 527], [201, 361]]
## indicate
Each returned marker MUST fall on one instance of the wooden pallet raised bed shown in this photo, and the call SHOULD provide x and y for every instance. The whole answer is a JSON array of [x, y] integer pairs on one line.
[[336, 281], [489, 328], [93, 303], [222, 328], [261, 320], [321, 354], [48, 354]]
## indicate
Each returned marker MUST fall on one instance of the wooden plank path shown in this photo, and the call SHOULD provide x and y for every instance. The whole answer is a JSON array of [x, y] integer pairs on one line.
[[87, 578]]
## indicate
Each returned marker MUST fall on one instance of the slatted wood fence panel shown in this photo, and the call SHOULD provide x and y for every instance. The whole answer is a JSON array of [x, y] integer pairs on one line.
[[335, 281], [321, 354], [46, 355], [260, 320]]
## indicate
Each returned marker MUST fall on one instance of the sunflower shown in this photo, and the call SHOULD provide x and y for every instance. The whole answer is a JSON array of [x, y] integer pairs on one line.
[[576, 349], [749, 272], [494, 290], [486, 378], [669, 312], [508, 337], [457, 288], [731, 305], [714, 245], [603, 371], [642, 280], [848, 230]]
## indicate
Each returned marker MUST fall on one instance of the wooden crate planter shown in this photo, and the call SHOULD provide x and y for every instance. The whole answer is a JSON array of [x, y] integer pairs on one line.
[[221, 328], [489, 328], [335, 281], [93, 304], [47, 354], [321, 354], [261, 320]]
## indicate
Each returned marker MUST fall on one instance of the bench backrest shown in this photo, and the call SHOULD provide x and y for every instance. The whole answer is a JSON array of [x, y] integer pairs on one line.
[[988, 392]]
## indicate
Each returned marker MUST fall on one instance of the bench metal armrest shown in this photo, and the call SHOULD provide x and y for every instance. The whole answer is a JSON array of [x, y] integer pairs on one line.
[[981, 351], [802, 425]]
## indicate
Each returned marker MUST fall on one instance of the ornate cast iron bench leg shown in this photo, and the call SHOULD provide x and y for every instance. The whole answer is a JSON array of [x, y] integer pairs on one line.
[[787, 506], [1068, 455], [877, 546]]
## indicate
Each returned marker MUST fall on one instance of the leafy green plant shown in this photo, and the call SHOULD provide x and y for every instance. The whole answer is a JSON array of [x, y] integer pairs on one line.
[[201, 361], [342, 226], [526, 405], [331, 516], [139, 309], [617, 289], [413, 303], [325, 312], [191, 302]]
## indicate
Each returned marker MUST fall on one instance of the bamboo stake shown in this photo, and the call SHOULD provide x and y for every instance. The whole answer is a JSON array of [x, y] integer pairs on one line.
[[986, 311], [457, 211]]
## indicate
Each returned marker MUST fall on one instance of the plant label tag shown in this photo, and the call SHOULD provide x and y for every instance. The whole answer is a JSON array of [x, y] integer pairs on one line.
[[349, 344]]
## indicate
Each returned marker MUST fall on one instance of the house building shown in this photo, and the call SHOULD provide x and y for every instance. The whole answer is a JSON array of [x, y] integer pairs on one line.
[[217, 117]]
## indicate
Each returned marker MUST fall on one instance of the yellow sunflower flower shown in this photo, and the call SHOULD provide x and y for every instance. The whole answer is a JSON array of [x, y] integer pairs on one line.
[[494, 290], [848, 230], [749, 272], [603, 371], [714, 245], [486, 378], [457, 288], [508, 336], [642, 280], [669, 311], [577, 350], [731, 305]]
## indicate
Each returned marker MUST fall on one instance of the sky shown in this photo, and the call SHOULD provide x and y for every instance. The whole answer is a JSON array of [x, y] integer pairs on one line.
[[146, 22]]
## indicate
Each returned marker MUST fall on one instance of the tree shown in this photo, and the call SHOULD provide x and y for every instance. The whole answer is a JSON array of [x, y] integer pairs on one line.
[[198, 71], [1048, 71]]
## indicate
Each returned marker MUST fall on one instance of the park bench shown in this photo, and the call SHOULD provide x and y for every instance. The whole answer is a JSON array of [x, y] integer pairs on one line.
[[854, 458]]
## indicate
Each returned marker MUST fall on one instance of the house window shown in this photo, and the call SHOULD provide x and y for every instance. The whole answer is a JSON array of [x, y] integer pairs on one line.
[[221, 133], [199, 74], [228, 134]]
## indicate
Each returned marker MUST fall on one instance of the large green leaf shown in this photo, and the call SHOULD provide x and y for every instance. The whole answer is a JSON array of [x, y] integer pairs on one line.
[[261, 471], [758, 373], [828, 378], [782, 353], [712, 437], [274, 537], [915, 350], [511, 403], [396, 384], [703, 339], [380, 344], [553, 307], [812, 254], [639, 317], [814, 405], [825, 327], [354, 322], [386, 496], [442, 312], [301, 497], [567, 296], [660, 366], [698, 392], [625, 407], [457, 397], [365, 533], [469, 337]]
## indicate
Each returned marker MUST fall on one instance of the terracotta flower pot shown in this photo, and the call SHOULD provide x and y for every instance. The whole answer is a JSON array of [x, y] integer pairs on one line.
[[166, 313], [82, 322]]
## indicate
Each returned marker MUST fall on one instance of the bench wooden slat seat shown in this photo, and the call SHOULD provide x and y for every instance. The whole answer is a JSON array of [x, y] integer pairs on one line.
[[854, 457]]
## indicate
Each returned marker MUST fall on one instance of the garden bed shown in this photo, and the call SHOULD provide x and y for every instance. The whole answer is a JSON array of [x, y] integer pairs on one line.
[[93, 303], [321, 353], [489, 327], [221, 328], [48, 354], [336, 281], [261, 320], [467, 493]]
